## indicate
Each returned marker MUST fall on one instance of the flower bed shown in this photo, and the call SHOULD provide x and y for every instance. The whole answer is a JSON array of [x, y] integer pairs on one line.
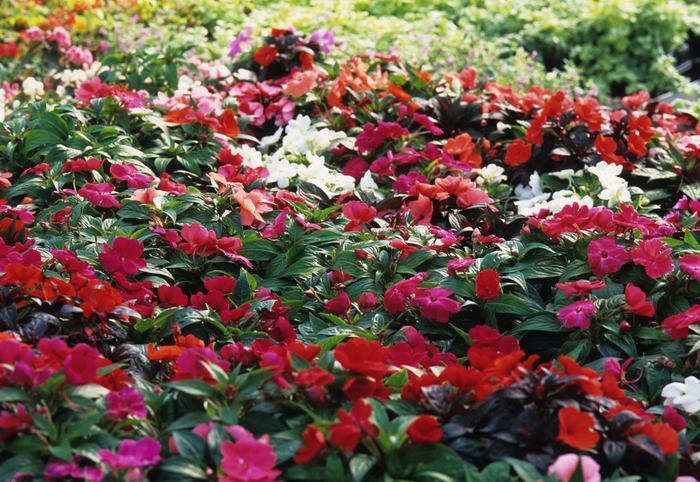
[[283, 267]]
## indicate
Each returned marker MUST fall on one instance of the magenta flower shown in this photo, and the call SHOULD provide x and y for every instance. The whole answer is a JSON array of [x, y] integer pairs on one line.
[[132, 454], [435, 304], [577, 314], [459, 264], [234, 48], [125, 402], [99, 195], [134, 179], [323, 38], [656, 260], [123, 257], [606, 257], [248, 459], [690, 265]]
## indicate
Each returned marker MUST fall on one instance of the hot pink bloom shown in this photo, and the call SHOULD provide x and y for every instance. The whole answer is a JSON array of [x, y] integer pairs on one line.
[[690, 265], [123, 257], [93, 89], [248, 459], [396, 296], [338, 305], [82, 165], [197, 239], [355, 168], [435, 304], [192, 365], [460, 264], [656, 260], [572, 218], [71, 263], [79, 366], [132, 176], [605, 257], [171, 296], [565, 466], [99, 194], [677, 325], [367, 301], [358, 213], [577, 314], [125, 402], [369, 139], [132, 454]]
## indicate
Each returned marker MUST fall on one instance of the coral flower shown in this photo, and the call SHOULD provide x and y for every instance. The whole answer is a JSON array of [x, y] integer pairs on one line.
[[636, 301], [576, 428], [358, 213], [314, 444], [253, 205]]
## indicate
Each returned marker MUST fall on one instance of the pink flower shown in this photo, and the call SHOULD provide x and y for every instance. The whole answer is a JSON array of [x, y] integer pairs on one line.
[[459, 264], [61, 36], [79, 56], [248, 459], [677, 325], [125, 402], [355, 168], [690, 265], [656, 260], [636, 301], [565, 466], [435, 304], [369, 139], [606, 257], [99, 194], [395, 297], [132, 454], [123, 257], [93, 89], [367, 301], [127, 172], [580, 287], [358, 213], [79, 365], [338, 305], [577, 314]]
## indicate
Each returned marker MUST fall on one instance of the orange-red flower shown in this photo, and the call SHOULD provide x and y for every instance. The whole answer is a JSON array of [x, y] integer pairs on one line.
[[518, 152], [463, 146], [265, 55], [228, 124], [576, 428]]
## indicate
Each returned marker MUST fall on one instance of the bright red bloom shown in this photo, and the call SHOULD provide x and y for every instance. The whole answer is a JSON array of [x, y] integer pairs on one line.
[[606, 147], [576, 428], [518, 152], [664, 435], [338, 305], [99, 194], [424, 429], [171, 296], [534, 132], [21, 275], [630, 218], [606, 257], [229, 125], [352, 426], [265, 55], [580, 287], [362, 356], [636, 144], [677, 325], [123, 257], [571, 219], [314, 444], [395, 297], [9, 49], [690, 265], [82, 165], [197, 239], [636, 301], [488, 284], [435, 303], [641, 124], [314, 379], [463, 146], [358, 213], [586, 110], [656, 260], [192, 364]]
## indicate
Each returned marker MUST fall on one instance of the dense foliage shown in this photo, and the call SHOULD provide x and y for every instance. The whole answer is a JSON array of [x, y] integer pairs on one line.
[[276, 265]]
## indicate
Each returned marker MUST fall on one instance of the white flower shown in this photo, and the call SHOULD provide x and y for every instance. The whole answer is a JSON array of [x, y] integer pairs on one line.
[[533, 189], [685, 396], [567, 198], [2, 105], [281, 170], [616, 193], [606, 173], [491, 174], [32, 88], [528, 207], [268, 141], [566, 174], [251, 157], [367, 183]]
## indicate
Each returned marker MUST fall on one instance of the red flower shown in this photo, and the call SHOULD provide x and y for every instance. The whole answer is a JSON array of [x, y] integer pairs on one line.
[[367, 301], [338, 305], [586, 111], [79, 366], [362, 356], [314, 444], [21, 275], [82, 165], [636, 301], [677, 325], [435, 303], [99, 194], [395, 297], [606, 147], [421, 210], [229, 125], [690, 265], [265, 55], [171, 296], [314, 379], [352, 426], [358, 213], [518, 152], [488, 284], [636, 144], [9, 49], [576, 428], [580, 287], [424, 429], [664, 435], [635, 100], [123, 257]]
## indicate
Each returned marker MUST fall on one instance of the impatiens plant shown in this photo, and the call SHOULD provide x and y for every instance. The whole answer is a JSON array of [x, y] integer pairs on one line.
[[299, 269]]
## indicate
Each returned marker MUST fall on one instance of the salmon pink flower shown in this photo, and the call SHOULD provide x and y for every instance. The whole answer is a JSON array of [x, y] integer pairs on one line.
[[577, 314], [565, 466], [424, 429], [488, 284], [93, 89], [253, 204], [636, 301], [435, 304], [99, 194], [358, 213], [656, 260], [247, 459], [123, 257]]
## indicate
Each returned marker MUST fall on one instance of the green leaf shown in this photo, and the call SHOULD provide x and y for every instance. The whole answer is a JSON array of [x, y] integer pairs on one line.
[[14, 395], [189, 421], [360, 465], [334, 468], [509, 304], [190, 445], [197, 388], [525, 470], [23, 463], [243, 290], [52, 123], [184, 467], [62, 451], [39, 138], [544, 321]]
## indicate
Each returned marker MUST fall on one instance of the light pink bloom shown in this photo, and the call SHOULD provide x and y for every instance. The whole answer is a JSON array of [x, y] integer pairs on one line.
[[565, 466]]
